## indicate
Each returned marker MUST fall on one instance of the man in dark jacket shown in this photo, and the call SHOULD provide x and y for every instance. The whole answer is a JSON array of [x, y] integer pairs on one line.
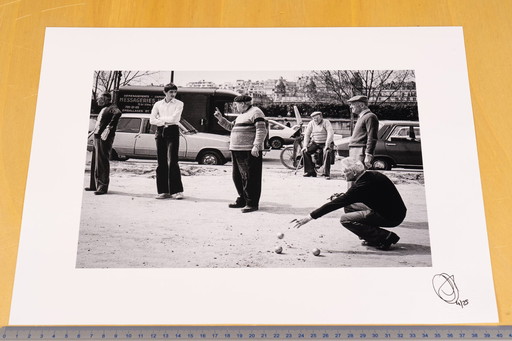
[[370, 203], [104, 133]]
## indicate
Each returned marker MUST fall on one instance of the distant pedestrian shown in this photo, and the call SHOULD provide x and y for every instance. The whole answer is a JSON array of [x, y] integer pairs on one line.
[[318, 137], [248, 133], [371, 203], [104, 134], [166, 114], [364, 137]]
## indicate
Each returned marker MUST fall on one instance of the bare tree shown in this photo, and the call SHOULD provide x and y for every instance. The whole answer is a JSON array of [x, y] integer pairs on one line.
[[112, 80], [380, 86]]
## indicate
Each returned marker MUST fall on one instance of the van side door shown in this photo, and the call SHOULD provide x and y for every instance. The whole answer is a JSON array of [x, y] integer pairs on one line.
[[195, 107]]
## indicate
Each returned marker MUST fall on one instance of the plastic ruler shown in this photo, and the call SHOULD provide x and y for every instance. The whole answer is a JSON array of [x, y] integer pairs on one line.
[[258, 333]]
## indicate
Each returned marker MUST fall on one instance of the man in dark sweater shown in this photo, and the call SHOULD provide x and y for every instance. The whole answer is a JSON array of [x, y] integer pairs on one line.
[[370, 203], [104, 134], [364, 137]]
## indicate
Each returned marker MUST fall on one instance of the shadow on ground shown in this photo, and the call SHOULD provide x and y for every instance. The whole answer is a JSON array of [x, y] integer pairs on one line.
[[400, 249]]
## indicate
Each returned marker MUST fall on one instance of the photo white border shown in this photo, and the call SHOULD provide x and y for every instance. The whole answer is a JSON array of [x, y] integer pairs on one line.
[[49, 290]]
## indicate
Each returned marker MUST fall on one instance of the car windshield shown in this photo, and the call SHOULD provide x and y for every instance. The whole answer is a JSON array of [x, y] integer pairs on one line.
[[189, 128], [276, 125]]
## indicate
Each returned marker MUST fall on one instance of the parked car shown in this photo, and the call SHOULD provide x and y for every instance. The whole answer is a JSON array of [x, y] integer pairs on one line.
[[135, 138], [279, 134], [398, 145]]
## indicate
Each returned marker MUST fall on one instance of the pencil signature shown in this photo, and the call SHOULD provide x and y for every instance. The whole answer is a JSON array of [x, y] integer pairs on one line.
[[445, 287]]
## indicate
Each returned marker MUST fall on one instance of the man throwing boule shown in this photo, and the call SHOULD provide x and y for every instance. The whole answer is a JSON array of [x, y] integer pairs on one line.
[[372, 202], [248, 133]]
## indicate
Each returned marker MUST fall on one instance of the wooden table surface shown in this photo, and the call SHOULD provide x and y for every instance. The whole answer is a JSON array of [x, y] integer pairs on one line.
[[488, 38]]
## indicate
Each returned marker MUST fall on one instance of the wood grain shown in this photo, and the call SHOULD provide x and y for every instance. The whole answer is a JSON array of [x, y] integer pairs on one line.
[[487, 29]]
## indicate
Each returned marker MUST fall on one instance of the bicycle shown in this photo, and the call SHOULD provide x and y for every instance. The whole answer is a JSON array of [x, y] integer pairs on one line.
[[291, 156]]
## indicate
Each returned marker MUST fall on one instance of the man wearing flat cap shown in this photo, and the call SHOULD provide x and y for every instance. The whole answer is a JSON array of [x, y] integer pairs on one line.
[[364, 137], [104, 133], [248, 134], [318, 136]]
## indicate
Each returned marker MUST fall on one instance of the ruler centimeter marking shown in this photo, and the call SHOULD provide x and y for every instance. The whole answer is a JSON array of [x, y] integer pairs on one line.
[[394, 333]]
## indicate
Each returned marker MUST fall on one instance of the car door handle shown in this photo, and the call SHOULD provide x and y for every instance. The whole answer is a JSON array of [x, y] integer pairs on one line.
[[390, 144]]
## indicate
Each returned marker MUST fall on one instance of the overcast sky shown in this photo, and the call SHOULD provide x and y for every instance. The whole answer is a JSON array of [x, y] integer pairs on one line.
[[181, 78]]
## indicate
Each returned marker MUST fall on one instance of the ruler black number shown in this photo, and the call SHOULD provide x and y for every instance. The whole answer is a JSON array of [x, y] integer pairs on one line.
[[287, 333]]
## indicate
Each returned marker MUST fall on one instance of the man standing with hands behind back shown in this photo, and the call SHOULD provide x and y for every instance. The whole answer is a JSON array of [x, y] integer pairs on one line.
[[364, 137], [248, 133], [166, 114], [104, 133]]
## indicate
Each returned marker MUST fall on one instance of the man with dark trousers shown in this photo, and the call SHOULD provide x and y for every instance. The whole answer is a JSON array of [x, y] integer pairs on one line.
[[104, 133], [166, 114], [370, 203], [364, 137], [318, 136], [248, 133]]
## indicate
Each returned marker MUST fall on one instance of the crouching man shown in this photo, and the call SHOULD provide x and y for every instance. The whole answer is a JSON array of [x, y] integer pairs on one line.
[[371, 203]]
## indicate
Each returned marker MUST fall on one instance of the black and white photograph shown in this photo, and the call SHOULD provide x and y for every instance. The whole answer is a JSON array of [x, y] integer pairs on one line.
[[259, 176], [211, 203]]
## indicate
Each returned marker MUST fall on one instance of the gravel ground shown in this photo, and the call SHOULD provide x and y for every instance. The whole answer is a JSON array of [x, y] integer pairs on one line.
[[128, 228]]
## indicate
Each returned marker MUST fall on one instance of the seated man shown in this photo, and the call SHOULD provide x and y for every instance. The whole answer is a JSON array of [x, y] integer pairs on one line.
[[318, 136], [371, 203]]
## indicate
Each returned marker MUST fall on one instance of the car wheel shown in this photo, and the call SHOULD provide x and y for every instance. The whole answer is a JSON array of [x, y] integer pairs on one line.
[[381, 164], [115, 157], [276, 143], [210, 157]]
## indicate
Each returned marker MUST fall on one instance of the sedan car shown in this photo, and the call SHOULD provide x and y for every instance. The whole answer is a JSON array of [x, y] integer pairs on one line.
[[398, 145], [279, 134], [135, 138]]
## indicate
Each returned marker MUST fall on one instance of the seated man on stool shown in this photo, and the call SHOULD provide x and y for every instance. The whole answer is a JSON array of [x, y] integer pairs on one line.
[[318, 137]]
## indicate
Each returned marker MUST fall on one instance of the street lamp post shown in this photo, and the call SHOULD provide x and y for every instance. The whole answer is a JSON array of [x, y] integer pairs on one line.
[[117, 83]]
